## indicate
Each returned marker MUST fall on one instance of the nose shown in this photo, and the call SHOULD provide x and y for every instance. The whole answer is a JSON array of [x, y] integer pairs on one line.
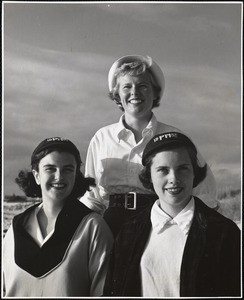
[[58, 175], [172, 177], [134, 90]]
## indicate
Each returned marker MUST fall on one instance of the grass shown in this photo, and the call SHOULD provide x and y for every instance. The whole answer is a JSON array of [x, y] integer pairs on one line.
[[230, 204]]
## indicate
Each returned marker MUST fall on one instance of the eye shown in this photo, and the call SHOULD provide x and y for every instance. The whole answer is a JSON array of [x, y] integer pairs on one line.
[[69, 170], [126, 87], [50, 169], [163, 170], [184, 168]]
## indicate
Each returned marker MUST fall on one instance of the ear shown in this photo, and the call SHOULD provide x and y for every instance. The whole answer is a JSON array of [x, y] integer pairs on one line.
[[36, 176], [116, 98], [119, 104]]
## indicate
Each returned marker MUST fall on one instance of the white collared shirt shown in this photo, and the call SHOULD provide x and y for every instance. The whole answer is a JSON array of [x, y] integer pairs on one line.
[[114, 160], [162, 257], [33, 228]]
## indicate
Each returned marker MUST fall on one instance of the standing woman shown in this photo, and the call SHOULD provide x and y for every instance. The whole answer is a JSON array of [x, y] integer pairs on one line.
[[59, 247], [136, 85]]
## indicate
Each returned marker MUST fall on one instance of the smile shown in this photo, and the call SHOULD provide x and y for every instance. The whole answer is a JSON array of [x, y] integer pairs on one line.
[[174, 191], [58, 185], [135, 101]]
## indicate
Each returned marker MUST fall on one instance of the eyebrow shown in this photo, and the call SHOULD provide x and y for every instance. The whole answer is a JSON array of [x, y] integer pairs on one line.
[[65, 166], [181, 165]]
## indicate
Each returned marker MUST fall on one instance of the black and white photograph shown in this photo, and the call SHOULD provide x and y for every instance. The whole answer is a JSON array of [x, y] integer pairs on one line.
[[122, 149]]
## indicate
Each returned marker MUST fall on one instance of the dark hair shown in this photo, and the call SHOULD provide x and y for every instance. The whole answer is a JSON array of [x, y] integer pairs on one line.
[[199, 172], [134, 69], [38, 156], [28, 185]]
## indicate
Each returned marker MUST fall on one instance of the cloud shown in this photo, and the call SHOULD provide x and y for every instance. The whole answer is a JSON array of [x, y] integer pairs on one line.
[[55, 93], [206, 104], [51, 93]]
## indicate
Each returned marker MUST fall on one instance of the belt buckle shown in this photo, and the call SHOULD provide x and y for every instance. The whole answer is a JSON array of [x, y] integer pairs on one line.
[[134, 201]]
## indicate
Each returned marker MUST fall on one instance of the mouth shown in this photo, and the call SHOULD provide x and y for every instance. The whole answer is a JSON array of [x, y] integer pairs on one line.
[[58, 186], [135, 101], [174, 190]]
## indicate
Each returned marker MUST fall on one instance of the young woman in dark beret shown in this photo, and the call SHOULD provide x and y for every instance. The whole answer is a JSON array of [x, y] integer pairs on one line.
[[58, 247], [177, 247]]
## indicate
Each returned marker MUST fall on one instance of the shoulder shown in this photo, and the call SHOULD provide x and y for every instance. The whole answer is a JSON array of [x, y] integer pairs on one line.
[[98, 226], [214, 218], [89, 224], [22, 216], [96, 219], [106, 129], [104, 132], [163, 127]]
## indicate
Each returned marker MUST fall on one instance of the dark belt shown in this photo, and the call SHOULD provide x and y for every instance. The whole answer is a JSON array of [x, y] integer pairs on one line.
[[131, 200]]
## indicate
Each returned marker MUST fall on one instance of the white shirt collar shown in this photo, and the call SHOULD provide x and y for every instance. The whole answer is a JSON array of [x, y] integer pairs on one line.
[[184, 219], [121, 131], [33, 227]]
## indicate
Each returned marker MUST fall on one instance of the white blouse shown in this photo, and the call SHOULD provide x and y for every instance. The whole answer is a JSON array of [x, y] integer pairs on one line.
[[161, 261], [114, 160]]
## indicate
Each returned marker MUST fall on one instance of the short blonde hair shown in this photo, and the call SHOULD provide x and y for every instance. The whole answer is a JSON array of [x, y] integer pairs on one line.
[[135, 68]]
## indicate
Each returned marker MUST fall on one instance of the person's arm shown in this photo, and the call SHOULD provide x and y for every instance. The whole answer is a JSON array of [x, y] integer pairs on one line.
[[92, 199], [100, 249]]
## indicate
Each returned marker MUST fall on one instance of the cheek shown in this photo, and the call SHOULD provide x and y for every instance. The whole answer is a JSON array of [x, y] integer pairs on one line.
[[157, 181], [188, 180], [43, 180], [149, 94], [72, 180], [123, 95]]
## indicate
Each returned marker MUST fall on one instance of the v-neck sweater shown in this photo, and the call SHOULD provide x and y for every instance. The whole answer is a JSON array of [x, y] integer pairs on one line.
[[72, 262]]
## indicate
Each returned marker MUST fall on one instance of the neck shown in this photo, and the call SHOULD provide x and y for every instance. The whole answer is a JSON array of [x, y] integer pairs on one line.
[[51, 210], [173, 210], [47, 217], [136, 125]]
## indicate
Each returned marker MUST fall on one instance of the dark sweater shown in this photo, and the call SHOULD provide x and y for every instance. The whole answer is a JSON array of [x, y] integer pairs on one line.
[[210, 264]]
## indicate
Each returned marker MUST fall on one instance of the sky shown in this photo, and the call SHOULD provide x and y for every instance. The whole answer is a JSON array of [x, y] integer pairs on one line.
[[56, 58]]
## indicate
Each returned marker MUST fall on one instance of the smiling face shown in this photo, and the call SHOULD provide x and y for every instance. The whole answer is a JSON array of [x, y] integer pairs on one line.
[[172, 177], [56, 176], [136, 95]]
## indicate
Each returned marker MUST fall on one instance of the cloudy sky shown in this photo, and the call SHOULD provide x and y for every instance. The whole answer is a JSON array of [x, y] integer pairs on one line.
[[57, 56]]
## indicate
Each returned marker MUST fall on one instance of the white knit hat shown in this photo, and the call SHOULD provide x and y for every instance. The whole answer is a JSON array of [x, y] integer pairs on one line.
[[155, 70]]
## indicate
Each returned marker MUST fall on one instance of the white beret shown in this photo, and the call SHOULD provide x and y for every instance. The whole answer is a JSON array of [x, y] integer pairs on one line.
[[154, 68]]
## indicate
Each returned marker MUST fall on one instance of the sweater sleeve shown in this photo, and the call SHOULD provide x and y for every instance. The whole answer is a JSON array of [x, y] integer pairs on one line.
[[100, 248]]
